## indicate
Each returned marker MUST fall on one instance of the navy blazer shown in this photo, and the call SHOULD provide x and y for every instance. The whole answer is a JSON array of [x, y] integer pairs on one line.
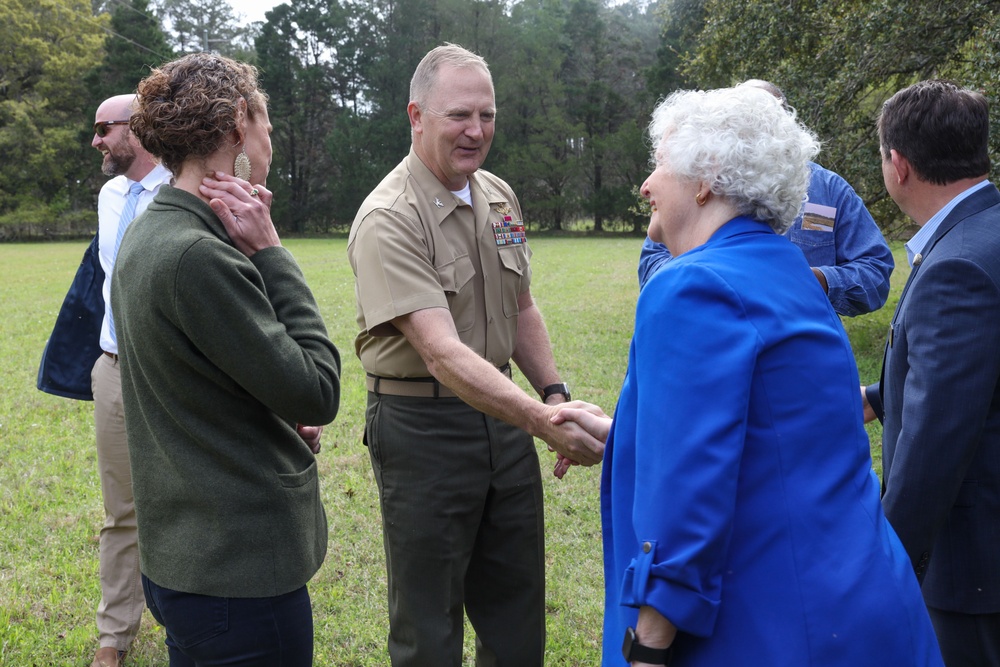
[[939, 402], [75, 343]]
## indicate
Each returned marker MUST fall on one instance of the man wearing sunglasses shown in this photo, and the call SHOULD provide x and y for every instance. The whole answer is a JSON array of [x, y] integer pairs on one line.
[[136, 178], [80, 361]]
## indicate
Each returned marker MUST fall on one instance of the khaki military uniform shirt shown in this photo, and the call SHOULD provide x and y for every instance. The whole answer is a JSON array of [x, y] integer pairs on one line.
[[415, 245]]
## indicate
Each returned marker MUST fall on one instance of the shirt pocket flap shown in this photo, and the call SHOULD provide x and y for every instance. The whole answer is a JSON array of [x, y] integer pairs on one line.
[[514, 259], [456, 274]]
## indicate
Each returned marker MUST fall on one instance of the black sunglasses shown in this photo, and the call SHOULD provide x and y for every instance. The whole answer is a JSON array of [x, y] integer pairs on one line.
[[101, 128]]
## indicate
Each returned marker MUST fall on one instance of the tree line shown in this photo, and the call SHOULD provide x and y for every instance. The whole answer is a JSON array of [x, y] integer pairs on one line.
[[575, 83]]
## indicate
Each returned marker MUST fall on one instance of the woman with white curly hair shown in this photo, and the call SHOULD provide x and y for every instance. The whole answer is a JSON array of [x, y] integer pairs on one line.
[[741, 516]]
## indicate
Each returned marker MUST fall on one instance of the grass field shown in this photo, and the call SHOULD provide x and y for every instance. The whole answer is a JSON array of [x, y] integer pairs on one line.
[[50, 502]]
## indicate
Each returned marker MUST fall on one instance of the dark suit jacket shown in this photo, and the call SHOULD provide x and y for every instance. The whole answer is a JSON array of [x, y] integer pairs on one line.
[[75, 343], [939, 401]]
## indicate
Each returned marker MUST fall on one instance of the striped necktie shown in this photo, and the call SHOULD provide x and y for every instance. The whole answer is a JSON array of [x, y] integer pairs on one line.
[[131, 200]]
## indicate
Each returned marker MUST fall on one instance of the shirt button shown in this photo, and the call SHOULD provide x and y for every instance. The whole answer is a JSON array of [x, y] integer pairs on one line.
[[646, 547]]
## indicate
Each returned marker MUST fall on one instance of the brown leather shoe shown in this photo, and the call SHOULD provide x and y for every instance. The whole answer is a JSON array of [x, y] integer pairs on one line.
[[108, 656]]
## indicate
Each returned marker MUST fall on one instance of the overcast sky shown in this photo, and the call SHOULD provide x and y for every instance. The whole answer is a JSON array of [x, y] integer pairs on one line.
[[253, 10]]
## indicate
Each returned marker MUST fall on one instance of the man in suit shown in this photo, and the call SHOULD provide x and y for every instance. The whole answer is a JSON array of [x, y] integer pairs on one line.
[[939, 395], [80, 361], [137, 177]]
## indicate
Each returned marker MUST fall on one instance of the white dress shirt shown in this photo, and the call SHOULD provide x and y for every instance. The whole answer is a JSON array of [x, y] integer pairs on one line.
[[109, 209]]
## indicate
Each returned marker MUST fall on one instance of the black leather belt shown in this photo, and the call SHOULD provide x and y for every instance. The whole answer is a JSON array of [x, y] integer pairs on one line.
[[415, 387], [110, 354]]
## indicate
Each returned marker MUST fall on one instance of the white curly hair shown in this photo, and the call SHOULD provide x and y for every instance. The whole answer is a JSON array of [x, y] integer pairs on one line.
[[743, 143]]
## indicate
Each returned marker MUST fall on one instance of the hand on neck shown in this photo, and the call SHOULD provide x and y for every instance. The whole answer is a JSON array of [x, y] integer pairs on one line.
[[193, 171]]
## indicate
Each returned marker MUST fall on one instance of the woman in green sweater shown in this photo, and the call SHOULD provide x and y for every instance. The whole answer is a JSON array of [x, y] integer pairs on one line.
[[228, 376]]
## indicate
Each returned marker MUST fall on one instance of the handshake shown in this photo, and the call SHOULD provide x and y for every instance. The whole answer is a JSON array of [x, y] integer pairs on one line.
[[576, 431]]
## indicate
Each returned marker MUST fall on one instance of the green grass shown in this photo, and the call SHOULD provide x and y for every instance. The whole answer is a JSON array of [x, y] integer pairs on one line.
[[50, 503]]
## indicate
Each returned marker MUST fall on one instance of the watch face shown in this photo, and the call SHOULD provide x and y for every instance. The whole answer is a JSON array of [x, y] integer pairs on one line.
[[627, 644], [633, 651]]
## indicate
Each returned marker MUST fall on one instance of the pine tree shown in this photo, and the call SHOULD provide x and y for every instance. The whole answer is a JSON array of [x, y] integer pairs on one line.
[[135, 43]]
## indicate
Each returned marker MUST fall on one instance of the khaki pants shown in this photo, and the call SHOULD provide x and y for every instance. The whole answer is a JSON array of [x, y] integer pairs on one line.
[[120, 611]]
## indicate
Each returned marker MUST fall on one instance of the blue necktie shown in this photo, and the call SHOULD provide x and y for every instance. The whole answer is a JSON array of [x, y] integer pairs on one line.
[[127, 214]]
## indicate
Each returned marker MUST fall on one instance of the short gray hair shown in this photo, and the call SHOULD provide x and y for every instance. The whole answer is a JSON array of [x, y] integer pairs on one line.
[[425, 76], [743, 143]]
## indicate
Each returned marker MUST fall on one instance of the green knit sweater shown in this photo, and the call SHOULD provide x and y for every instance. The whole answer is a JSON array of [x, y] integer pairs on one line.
[[221, 356]]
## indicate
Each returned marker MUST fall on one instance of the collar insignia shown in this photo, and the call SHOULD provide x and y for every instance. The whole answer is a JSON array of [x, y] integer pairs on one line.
[[438, 203]]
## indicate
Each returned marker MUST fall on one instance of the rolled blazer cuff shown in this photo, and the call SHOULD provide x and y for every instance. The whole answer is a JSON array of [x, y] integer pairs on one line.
[[691, 610], [873, 393]]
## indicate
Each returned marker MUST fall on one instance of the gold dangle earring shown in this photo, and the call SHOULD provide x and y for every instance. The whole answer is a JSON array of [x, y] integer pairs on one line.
[[241, 167]]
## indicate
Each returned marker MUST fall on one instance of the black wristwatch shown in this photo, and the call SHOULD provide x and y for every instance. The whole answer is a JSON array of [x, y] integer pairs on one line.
[[557, 388], [636, 652]]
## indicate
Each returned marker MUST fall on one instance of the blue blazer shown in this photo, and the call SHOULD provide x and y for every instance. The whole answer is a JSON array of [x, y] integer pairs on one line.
[[939, 402], [75, 343], [737, 495]]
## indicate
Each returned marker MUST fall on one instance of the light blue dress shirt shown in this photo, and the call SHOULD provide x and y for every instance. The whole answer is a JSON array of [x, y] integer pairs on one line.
[[918, 242]]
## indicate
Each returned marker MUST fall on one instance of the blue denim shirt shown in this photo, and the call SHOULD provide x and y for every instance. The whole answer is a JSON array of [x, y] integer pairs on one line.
[[851, 253]]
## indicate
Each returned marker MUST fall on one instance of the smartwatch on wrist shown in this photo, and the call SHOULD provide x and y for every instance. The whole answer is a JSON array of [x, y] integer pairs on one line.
[[636, 652], [557, 388]]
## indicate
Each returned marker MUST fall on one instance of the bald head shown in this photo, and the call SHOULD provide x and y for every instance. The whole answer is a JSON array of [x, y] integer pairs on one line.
[[767, 86], [121, 150], [118, 107]]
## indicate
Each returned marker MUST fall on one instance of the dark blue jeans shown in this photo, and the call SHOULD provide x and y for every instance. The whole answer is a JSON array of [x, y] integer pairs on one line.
[[203, 630]]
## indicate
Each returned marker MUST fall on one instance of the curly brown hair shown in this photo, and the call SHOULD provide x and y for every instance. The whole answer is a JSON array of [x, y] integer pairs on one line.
[[188, 107]]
